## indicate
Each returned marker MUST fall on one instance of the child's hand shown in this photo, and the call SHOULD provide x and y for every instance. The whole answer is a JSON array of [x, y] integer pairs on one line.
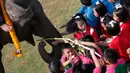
[[103, 36], [70, 58], [102, 62], [92, 51], [5, 27]]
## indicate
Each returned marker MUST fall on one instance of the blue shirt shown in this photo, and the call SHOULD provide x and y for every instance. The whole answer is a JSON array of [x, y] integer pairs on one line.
[[92, 20], [109, 5]]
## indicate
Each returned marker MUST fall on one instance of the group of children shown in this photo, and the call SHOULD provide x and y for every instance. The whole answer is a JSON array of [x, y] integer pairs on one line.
[[105, 24]]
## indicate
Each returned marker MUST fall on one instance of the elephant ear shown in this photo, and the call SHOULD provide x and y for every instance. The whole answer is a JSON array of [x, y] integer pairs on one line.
[[18, 14]]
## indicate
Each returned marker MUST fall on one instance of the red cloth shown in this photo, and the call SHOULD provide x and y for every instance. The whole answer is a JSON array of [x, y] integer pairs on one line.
[[89, 31], [125, 26], [105, 32], [122, 42]]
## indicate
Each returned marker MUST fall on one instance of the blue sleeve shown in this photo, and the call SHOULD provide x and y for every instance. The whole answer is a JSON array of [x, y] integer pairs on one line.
[[82, 10], [93, 1], [110, 6]]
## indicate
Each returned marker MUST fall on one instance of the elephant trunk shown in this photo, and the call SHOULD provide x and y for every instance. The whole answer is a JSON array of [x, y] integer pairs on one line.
[[45, 56], [48, 57]]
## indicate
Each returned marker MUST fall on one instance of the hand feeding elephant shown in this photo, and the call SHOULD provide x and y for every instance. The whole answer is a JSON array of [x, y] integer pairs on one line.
[[31, 20]]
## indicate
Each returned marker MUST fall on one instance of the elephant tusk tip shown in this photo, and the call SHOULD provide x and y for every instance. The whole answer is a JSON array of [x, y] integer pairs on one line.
[[18, 53]]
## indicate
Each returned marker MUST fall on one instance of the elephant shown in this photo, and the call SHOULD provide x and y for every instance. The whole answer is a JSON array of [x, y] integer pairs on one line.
[[32, 21]]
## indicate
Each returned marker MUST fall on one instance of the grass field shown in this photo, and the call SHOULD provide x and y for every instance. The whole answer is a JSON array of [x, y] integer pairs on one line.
[[59, 12]]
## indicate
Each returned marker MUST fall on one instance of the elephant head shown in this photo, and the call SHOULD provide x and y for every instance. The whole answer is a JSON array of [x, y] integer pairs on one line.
[[38, 24]]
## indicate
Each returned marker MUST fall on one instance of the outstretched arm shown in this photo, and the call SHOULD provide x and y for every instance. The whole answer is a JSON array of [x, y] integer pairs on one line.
[[96, 62]]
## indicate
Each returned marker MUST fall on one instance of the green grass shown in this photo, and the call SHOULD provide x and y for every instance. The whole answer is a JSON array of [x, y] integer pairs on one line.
[[59, 12]]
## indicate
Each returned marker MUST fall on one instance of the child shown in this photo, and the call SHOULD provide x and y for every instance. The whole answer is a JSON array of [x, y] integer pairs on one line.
[[87, 62], [120, 41], [100, 10], [89, 41], [56, 66], [121, 14], [87, 9], [96, 62], [83, 29], [113, 63], [69, 56]]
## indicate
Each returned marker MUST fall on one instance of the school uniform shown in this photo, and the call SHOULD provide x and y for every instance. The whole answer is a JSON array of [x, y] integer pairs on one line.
[[121, 43], [89, 31], [92, 20], [109, 5], [125, 26], [112, 68]]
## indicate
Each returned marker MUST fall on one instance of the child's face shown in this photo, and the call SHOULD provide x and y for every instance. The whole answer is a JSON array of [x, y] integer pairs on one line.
[[81, 25], [106, 62], [128, 51], [68, 52], [95, 12], [115, 17], [111, 0]]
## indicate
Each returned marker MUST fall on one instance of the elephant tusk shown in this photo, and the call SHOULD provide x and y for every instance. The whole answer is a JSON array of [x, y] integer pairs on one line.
[[12, 33], [68, 40]]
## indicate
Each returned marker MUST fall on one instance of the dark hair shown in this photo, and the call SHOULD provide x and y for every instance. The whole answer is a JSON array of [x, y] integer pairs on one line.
[[54, 66], [88, 67], [78, 17], [72, 25], [127, 3], [87, 38], [78, 68], [65, 45], [83, 68], [100, 8], [107, 18], [86, 2], [113, 28], [111, 55], [122, 13]]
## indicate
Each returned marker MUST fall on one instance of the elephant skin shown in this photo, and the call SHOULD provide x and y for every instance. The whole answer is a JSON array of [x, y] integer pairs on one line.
[[38, 25]]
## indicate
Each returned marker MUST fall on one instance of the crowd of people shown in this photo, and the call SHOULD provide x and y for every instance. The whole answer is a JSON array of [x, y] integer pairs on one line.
[[104, 27]]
